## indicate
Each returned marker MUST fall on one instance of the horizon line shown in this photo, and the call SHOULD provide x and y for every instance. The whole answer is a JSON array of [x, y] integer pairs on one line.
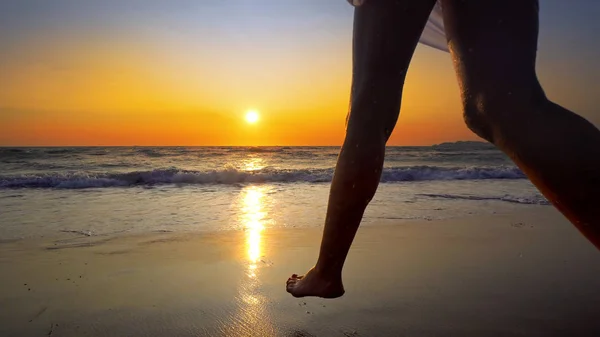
[[119, 146]]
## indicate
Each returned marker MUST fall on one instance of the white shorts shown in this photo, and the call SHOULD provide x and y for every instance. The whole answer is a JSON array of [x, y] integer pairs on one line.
[[433, 34]]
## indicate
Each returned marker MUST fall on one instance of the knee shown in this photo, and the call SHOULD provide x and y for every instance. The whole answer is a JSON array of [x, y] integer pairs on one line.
[[478, 114], [489, 113], [372, 120]]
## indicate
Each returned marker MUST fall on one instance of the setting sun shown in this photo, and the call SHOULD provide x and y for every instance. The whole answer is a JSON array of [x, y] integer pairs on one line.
[[252, 117]]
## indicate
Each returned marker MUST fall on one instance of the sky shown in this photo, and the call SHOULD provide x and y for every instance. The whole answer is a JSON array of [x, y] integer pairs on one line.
[[185, 72]]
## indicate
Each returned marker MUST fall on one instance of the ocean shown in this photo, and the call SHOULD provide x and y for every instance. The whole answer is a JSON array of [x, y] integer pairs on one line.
[[108, 191]]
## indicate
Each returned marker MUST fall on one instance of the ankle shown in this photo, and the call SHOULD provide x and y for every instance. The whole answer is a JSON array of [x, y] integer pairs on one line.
[[326, 272]]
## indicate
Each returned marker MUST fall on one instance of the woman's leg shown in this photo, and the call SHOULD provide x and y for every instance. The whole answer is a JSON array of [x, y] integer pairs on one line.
[[493, 45], [386, 33]]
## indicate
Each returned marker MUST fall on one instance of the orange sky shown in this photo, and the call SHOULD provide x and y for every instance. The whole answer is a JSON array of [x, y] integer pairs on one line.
[[133, 94], [168, 85]]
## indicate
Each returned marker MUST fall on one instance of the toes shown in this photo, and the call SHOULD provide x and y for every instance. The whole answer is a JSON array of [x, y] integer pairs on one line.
[[290, 284], [289, 287]]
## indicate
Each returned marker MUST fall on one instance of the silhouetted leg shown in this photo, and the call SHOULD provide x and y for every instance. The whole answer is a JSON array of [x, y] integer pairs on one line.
[[493, 44], [386, 33]]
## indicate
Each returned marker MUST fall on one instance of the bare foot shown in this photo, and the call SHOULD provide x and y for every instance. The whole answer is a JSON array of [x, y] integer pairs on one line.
[[313, 284]]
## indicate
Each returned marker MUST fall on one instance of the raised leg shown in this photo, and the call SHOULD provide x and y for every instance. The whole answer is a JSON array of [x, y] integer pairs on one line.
[[494, 44], [386, 33]]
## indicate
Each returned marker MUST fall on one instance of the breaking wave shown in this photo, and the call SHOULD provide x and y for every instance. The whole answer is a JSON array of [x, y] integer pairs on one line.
[[233, 176]]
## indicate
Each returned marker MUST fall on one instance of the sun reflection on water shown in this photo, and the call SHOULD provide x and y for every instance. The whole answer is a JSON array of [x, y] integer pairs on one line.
[[254, 164], [252, 316], [252, 218]]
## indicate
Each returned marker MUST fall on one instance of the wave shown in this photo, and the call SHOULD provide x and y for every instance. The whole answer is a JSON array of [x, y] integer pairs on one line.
[[254, 149], [149, 152], [534, 200], [264, 150], [464, 145], [233, 176], [13, 150], [168, 152], [9, 154], [420, 173], [466, 152], [61, 151]]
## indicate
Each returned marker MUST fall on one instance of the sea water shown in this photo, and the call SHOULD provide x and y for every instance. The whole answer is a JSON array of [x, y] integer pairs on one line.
[[105, 191]]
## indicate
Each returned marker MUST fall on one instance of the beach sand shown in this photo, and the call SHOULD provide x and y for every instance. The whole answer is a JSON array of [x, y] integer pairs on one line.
[[523, 274]]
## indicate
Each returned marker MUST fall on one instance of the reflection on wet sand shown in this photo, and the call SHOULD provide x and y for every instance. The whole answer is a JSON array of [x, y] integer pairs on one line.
[[252, 317]]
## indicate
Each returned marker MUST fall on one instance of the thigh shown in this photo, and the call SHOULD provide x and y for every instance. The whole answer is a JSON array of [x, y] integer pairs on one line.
[[386, 33], [493, 43]]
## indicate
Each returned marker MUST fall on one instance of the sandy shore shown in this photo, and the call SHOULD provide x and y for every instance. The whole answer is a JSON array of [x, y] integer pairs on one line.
[[525, 274]]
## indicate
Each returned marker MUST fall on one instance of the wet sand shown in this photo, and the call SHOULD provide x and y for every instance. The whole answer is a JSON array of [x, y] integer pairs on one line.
[[524, 274]]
